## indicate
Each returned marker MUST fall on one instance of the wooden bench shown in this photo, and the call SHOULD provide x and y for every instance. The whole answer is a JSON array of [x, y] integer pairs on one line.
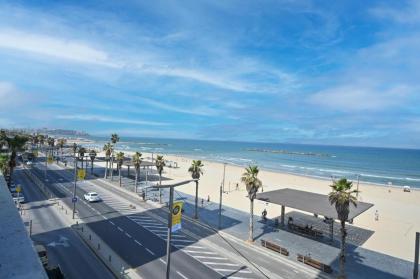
[[274, 247], [314, 263]]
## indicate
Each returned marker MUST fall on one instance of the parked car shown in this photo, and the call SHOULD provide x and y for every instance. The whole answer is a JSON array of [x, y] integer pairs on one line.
[[18, 198], [92, 197], [42, 254]]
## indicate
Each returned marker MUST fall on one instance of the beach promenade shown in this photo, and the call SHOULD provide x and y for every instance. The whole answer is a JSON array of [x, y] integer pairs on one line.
[[384, 246]]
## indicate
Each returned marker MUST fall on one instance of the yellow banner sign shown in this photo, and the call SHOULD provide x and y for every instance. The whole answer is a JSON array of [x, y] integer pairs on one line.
[[18, 188], [81, 174], [50, 160], [176, 215]]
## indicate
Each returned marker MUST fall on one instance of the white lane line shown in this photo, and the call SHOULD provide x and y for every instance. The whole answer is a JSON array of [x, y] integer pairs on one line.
[[162, 261], [215, 263], [196, 247], [151, 252], [120, 229], [156, 227], [112, 223], [200, 252], [232, 270], [138, 242], [128, 235], [210, 258], [104, 217], [183, 240], [182, 275]]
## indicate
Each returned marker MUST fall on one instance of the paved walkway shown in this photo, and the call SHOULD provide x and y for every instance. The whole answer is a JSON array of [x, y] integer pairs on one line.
[[361, 263]]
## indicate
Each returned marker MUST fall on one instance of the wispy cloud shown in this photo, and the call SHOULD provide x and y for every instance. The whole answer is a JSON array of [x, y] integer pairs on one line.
[[101, 118]]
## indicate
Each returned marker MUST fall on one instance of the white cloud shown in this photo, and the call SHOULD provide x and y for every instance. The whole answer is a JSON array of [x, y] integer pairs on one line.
[[101, 118], [55, 47], [195, 110], [409, 14]]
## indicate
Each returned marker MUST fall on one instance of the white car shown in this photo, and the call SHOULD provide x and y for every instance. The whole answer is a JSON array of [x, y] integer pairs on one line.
[[92, 197]]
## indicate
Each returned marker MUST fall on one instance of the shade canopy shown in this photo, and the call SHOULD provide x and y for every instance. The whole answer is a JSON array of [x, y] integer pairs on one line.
[[310, 202]]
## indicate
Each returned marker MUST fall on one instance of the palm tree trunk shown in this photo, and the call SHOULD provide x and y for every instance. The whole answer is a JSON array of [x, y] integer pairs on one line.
[[119, 173], [91, 167], [160, 190], [135, 181], [112, 167], [342, 250], [251, 222], [196, 201], [106, 169]]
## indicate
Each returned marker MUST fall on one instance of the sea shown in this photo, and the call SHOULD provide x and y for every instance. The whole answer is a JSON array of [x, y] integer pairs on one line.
[[385, 166]]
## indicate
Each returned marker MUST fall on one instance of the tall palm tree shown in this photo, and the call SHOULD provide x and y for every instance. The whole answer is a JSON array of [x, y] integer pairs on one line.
[[137, 159], [120, 160], [341, 196], [4, 164], [196, 170], [92, 155], [108, 151], [114, 139], [160, 163], [82, 152], [17, 143], [252, 183], [60, 144]]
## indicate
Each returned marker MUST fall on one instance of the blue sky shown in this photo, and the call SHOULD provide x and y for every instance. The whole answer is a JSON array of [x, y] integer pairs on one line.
[[330, 72]]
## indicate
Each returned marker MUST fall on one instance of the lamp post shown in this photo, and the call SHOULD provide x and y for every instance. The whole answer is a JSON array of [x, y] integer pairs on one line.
[[220, 207], [171, 202], [74, 188], [224, 175]]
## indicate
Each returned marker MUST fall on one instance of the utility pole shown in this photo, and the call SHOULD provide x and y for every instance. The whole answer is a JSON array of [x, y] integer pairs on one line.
[[46, 159], [224, 172], [357, 193], [220, 207], [74, 188], [168, 241], [416, 257]]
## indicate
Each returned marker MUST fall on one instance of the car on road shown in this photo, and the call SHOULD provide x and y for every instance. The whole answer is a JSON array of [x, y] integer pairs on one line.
[[18, 197], [92, 197]]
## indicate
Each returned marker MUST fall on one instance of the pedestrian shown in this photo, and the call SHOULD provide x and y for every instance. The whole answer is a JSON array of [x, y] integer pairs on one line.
[[237, 186], [376, 215], [208, 198], [264, 214], [202, 202]]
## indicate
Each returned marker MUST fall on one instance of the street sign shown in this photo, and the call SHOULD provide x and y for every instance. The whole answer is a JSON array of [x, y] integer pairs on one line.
[[176, 216], [50, 159], [74, 200], [18, 188], [81, 174]]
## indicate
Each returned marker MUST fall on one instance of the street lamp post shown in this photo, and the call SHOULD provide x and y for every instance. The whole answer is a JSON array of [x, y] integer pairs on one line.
[[74, 188], [171, 202], [220, 207]]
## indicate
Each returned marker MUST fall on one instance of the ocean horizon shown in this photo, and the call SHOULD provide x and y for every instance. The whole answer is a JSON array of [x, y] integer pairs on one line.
[[377, 165]]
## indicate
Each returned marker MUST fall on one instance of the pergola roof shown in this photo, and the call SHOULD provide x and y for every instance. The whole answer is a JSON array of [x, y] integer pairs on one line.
[[310, 202], [142, 164]]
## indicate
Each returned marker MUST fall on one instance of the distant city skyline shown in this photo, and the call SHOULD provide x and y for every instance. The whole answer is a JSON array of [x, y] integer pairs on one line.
[[340, 73]]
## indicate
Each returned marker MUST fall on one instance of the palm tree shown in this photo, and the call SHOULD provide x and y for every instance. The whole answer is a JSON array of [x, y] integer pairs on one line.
[[82, 152], [114, 139], [341, 196], [120, 161], [16, 144], [160, 163], [108, 151], [137, 159], [92, 155], [196, 171], [252, 183], [61, 143], [4, 164]]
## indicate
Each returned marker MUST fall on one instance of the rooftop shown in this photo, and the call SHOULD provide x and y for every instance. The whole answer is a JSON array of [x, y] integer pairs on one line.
[[310, 202]]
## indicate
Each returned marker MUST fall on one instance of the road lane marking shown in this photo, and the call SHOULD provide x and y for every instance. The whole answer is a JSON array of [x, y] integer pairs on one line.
[[162, 261], [200, 252], [120, 229], [128, 235], [232, 270], [183, 240], [182, 275], [112, 223], [138, 243], [215, 263], [208, 257], [151, 252], [156, 227]]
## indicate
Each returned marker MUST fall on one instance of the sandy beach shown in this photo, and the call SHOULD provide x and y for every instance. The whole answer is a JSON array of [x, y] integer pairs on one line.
[[394, 232]]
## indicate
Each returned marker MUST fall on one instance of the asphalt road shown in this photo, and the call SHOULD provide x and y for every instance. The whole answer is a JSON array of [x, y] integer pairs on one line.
[[64, 247], [141, 247]]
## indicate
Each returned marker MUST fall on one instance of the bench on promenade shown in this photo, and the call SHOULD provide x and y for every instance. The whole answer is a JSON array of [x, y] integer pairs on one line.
[[274, 247], [314, 263]]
